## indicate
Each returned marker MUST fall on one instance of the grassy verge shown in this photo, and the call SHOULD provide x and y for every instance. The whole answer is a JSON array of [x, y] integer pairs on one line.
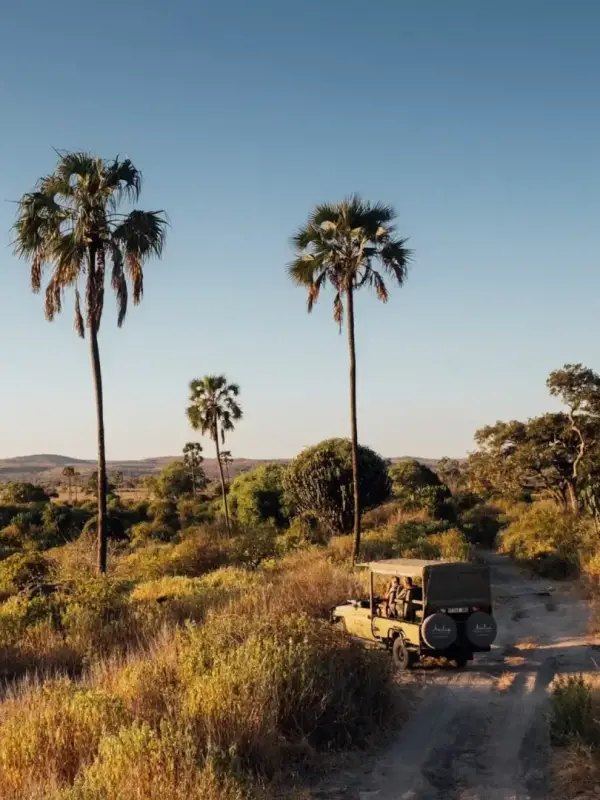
[[254, 681], [575, 733]]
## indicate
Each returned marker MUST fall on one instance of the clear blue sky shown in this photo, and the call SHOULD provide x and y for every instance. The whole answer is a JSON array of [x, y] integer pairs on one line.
[[479, 122]]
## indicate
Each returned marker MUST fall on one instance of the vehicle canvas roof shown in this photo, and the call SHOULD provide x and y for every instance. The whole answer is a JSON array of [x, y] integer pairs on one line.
[[409, 567]]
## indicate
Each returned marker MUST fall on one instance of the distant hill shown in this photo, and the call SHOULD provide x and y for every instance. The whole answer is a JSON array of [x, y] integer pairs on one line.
[[47, 467]]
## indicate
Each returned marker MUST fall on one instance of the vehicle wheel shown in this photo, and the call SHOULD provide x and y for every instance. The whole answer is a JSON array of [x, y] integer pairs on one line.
[[402, 657]]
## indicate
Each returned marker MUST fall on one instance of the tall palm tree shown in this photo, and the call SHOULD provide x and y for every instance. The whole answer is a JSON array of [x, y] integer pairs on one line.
[[349, 244], [226, 459], [213, 410], [69, 474], [193, 458], [70, 222]]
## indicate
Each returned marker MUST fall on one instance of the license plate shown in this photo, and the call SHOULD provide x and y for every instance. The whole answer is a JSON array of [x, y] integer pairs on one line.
[[458, 610]]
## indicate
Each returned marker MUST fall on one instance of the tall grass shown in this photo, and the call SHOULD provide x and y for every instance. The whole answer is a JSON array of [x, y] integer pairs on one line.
[[259, 684]]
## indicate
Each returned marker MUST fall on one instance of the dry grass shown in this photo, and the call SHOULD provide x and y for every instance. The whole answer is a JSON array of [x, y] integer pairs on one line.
[[204, 709], [576, 763]]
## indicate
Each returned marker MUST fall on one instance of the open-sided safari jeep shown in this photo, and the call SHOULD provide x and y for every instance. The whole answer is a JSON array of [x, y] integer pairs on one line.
[[445, 613]]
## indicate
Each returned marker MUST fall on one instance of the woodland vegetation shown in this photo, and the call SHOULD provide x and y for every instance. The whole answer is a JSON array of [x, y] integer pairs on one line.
[[178, 646]]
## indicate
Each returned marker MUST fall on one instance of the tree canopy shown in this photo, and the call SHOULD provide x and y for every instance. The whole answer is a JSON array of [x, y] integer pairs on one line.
[[319, 482]]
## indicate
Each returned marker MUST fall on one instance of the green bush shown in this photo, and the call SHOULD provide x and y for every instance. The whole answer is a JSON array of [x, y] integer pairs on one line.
[[193, 512], [482, 523], [319, 482], [17, 492], [256, 497], [252, 546], [145, 532], [23, 570], [164, 512]]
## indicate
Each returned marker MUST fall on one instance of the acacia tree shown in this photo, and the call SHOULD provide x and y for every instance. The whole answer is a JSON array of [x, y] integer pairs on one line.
[[70, 222], [342, 244], [213, 410], [579, 389], [69, 474], [193, 458]]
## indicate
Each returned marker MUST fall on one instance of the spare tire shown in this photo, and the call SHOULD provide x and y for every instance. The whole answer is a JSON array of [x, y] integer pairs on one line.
[[481, 629], [439, 631]]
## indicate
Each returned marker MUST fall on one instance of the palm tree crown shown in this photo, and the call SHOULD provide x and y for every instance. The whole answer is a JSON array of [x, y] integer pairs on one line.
[[71, 221], [213, 408], [343, 243]]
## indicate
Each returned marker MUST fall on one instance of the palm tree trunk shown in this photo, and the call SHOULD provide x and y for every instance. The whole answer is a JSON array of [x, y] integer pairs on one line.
[[102, 514], [354, 424], [223, 489], [193, 478]]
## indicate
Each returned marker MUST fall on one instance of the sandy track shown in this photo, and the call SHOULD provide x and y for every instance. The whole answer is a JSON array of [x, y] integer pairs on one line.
[[482, 733]]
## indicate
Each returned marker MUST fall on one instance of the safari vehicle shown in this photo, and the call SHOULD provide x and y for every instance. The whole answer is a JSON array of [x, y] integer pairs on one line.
[[446, 613]]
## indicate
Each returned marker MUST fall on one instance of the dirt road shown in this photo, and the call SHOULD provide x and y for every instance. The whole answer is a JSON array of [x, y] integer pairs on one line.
[[481, 733]]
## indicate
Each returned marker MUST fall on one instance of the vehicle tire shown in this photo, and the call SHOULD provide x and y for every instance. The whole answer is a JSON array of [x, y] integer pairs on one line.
[[402, 657], [439, 631], [481, 629]]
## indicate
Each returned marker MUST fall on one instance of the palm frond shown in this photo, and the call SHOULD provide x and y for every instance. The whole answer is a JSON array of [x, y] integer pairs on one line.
[[79, 326], [53, 304], [142, 234], [119, 283], [341, 243], [82, 166], [124, 179], [338, 310], [68, 220]]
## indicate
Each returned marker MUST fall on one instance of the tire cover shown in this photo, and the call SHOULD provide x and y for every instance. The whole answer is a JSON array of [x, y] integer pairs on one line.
[[481, 629], [439, 631]]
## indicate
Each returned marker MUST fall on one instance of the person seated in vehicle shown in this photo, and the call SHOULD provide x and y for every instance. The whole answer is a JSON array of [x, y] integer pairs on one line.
[[405, 596], [391, 598]]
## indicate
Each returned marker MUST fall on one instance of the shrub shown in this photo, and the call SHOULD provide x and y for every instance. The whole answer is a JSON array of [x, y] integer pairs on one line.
[[257, 692], [319, 482], [175, 599], [23, 570], [175, 481], [193, 512], [144, 532], [164, 512], [62, 523], [418, 487], [15, 493], [94, 616], [116, 529], [253, 546], [140, 761], [257, 499], [199, 550], [572, 718], [49, 733], [452, 545], [550, 540], [481, 524]]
